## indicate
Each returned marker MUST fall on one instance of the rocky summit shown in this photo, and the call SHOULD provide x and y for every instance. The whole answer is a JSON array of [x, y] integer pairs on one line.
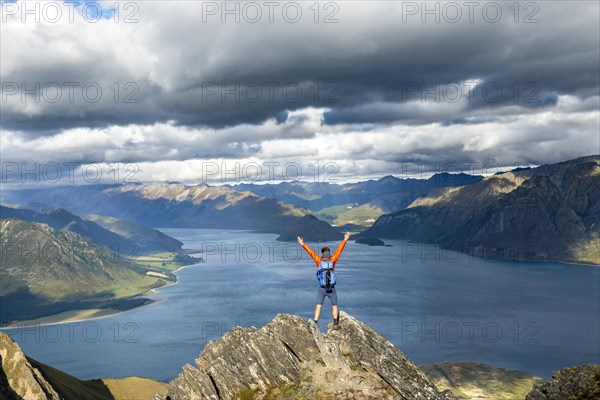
[[291, 358], [580, 382]]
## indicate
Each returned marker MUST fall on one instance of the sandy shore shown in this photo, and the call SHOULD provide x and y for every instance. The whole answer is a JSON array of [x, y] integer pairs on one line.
[[67, 316]]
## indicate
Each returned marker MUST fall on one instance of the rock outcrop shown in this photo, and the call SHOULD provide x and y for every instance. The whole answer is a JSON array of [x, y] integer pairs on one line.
[[291, 357], [574, 383], [18, 378], [23, 378]]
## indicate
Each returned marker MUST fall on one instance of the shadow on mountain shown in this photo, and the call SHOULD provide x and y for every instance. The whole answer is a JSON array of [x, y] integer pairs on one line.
[[6, 392], [69, 387]]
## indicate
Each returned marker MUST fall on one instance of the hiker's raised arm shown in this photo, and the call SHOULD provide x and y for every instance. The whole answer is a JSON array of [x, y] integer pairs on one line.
[[310, 252], [338, 251]]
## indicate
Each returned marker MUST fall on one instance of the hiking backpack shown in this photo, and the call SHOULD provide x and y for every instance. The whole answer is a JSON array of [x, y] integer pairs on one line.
[[326, 275]]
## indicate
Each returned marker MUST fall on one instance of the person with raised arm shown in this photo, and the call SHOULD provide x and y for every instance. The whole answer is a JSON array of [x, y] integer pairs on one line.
[[326, 278]]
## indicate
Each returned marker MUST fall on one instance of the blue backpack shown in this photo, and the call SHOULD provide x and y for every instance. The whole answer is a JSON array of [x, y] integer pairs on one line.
[[325, 275]]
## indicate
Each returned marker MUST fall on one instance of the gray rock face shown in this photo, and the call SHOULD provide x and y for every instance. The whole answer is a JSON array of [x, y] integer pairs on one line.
[[290, 357], [18, 379], [574, 383], [361, 345]]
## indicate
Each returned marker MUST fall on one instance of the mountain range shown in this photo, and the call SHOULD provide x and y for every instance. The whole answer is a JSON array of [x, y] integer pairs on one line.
[[551, 212], [356, 205], [267, 208], [168, 205]]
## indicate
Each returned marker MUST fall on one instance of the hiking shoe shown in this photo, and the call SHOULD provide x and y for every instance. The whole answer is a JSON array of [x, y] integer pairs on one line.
[[336, 325]]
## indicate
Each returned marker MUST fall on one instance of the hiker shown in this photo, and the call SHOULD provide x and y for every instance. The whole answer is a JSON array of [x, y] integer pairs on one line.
[[326, 277]]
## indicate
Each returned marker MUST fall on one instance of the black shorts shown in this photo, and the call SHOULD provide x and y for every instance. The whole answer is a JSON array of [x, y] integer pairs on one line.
[[323, 292]]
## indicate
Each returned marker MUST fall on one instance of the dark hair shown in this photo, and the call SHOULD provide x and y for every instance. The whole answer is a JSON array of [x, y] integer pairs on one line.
[[324, 249]]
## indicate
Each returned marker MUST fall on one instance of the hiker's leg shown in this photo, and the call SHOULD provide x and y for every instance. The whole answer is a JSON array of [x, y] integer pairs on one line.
[[334, 304], [317, 312], [320, 297]]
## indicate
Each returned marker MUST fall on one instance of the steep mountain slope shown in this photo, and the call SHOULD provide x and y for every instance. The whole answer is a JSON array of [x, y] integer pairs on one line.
[[547, 213], [45, 271], [146, 239], [22, 377], [169, 205], [18, 378], [117, 235]]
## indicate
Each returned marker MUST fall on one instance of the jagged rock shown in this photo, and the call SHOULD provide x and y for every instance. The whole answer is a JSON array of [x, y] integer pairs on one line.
[[329, 349], [18, 379], [193, 384], [248, 358], [296, 333], [574, 383], [25, 378], [290, 357], [360, 344]]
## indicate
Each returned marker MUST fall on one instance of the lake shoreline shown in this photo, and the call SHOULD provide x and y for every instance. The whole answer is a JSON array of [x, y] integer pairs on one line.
[[70, 316]]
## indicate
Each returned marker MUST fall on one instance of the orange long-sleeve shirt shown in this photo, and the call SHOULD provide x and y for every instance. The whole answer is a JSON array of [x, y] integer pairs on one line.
[[317, 259]]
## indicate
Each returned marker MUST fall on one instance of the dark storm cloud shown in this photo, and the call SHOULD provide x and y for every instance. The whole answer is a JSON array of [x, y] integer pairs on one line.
[[370, 92], [375, 65]]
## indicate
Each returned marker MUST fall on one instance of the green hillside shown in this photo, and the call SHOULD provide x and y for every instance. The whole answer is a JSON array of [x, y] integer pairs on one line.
[[470, 380], [45, 271]]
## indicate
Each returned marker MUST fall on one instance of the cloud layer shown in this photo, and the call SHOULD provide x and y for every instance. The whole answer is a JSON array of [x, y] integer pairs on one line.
[[384, 85]]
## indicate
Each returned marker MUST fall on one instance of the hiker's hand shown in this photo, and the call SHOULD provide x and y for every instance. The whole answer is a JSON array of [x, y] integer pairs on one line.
[[347, 236], [300, 240]]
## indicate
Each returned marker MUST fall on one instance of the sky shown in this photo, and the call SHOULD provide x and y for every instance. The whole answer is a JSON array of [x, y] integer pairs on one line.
[[264, 91]]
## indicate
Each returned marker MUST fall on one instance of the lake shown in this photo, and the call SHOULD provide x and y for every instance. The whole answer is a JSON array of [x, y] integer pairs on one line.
[[433, 304]]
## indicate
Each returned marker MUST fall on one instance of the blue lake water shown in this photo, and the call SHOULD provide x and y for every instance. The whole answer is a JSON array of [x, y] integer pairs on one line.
[[433, 304]]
